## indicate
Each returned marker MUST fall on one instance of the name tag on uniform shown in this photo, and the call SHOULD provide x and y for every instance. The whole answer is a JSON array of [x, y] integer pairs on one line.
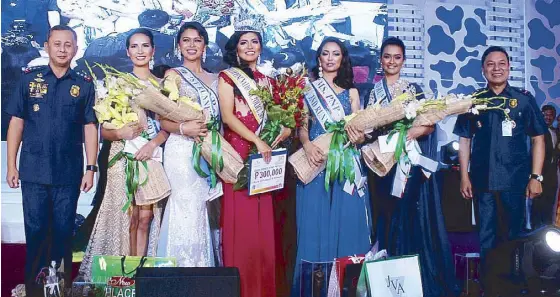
[[507, 128]]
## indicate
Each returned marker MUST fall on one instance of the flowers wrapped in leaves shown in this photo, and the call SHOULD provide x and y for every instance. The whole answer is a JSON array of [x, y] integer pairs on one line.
[[220, 155], [365, 120], [146, 181], [427, 113]]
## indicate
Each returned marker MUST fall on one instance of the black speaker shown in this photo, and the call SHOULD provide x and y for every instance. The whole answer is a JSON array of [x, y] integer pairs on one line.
[[187, 282]]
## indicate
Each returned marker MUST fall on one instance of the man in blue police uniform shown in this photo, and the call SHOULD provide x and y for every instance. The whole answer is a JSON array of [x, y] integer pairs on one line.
[[52, 113], [502, 170]]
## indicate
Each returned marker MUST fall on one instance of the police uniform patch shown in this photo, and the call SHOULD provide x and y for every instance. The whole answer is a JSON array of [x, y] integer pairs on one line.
[[513, 103], [75, 91], [35, 107]]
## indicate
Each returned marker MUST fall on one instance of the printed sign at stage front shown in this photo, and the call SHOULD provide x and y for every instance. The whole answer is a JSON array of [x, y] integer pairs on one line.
[[265, 177]]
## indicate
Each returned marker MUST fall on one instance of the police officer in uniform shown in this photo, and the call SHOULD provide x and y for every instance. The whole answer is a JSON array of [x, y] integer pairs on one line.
[[52, 113], [502, 170]]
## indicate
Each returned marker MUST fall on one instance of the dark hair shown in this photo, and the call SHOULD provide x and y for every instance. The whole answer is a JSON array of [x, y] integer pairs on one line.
[[195, 26], [344, 76], [393, 41], [144, 31], [230, 54], [548, 107], [62, 28], [492, 49], [160, 70]]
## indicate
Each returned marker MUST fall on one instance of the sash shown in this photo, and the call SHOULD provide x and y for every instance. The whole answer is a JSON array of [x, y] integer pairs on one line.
[[321, 91], [380, 94], [208, 99], [245, 84]]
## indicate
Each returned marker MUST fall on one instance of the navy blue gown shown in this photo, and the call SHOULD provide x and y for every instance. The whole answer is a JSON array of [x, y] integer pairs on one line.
[[329, 224], [414, 224]]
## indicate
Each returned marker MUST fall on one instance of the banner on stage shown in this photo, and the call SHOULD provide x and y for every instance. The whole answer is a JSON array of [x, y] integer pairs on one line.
[[265, 177]]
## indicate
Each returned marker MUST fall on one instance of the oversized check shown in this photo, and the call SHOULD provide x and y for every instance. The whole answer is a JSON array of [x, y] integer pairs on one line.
[[265, 177]]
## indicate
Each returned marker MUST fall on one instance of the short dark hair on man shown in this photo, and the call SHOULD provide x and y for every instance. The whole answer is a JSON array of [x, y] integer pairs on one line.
[[393, 41], [548, 107], [63, 28], [492, 49]]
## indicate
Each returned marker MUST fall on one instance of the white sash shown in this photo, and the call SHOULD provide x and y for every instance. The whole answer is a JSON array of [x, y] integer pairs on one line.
[[245, 84], [321, 91], [379, 94], [208, 99]]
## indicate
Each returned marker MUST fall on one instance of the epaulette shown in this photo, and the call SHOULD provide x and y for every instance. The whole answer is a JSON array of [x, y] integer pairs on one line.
[[27, 70], [522, 91], [85, 76]]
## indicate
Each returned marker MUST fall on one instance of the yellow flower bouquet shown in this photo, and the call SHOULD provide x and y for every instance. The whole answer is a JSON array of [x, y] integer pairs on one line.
[[146, 181]]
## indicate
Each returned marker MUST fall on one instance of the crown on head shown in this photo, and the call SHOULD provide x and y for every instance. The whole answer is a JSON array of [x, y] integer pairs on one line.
[[246, 21]]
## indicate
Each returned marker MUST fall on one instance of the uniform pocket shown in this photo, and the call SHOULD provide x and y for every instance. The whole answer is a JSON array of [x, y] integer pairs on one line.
[[32, 146], [72, 111]]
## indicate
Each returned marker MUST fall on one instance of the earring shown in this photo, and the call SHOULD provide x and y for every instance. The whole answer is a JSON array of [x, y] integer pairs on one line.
[[238, 60], [259, 60], [178, 53], [151, 64], [203, 56], [320, 71]]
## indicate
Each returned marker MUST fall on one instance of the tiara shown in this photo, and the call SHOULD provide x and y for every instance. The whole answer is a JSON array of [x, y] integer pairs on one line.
[[246, 21]]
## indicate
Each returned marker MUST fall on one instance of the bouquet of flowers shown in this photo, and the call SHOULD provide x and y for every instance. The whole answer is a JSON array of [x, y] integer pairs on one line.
[[426, 112], [222, 158], [283, 101], [146, 181], [338, 149]]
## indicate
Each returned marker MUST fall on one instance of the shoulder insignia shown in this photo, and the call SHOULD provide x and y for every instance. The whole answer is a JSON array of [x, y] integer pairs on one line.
[[27, 70], [85, 76], [522, 91]]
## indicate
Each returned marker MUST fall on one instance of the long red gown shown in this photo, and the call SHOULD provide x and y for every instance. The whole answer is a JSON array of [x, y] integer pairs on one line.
[[250, 238]]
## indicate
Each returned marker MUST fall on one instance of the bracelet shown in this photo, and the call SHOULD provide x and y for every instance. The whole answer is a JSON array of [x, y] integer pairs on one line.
[[181, 128]]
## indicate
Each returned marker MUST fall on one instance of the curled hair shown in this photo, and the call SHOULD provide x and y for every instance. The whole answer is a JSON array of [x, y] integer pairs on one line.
[[143, 31], [230, 54], [195, 26], [344, 76], [393, 41]]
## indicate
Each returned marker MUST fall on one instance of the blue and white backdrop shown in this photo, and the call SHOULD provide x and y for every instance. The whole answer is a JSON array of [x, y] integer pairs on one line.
[[445, 40]]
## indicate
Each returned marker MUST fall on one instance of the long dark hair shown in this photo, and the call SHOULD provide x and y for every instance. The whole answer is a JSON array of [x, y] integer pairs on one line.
[[344, 76], [230, 55]]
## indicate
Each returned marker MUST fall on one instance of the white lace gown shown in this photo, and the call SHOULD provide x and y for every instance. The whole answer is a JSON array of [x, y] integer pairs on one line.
[[185, 231]]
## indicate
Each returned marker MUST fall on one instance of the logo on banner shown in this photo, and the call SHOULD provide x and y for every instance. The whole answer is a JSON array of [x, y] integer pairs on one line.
[[396, 286]]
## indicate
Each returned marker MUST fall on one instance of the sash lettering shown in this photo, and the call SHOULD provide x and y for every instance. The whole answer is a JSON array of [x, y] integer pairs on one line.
[[245, 84], [320, 95], [207, 98], [330, 98]]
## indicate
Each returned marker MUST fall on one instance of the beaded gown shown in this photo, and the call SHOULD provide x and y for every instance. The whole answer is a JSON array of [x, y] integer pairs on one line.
[[185, 231]]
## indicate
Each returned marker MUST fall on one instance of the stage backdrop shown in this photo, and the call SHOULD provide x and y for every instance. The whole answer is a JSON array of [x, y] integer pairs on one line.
[[293, 31]]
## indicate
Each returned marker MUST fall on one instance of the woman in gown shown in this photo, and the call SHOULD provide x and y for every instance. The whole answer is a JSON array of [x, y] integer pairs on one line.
[[185, 230], [113, 232], [412, 223], [249, 241], [333, 223]]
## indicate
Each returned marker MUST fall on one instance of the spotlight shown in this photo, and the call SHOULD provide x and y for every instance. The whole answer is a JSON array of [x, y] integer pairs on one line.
[[450, 153], [530, 263]]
